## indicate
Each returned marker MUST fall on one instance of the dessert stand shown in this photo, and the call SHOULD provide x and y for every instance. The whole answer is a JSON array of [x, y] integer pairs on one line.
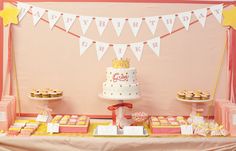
[[195, 113], [44, 105], [194, 103], [120, 119]]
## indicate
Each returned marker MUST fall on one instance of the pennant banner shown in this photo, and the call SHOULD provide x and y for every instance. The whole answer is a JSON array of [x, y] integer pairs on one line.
[[53, 17], [101, 49], [119, 50], [135, 24], [201, 15], [24, 8], [101, 23], [37, 13], [217, 11], [154, 44], [68, 20], [84, 44], [152, 23], [137, 49], [85, 22], [169, 21], [118, 24], [185, 18]]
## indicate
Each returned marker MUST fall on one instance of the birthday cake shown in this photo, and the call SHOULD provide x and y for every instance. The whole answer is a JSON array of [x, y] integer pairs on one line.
[[121, 81]]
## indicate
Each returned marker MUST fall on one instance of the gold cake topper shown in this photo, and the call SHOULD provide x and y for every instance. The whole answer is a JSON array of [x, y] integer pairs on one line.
[[120, 63]]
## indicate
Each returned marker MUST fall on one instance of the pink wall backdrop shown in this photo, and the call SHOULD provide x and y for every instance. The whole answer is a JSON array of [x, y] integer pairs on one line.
[[188, 59]]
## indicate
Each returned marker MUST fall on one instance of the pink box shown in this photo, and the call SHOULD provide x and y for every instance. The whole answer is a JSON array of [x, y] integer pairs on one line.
[[163, 130], [222, 110], [218, 110], [13, 106], [5, 115], [12, 101], [232, 121], [228, 109], [75, 128], [225, 107]]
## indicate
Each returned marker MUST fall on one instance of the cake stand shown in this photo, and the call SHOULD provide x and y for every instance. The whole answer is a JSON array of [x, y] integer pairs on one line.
[[194, 103], [120, 119], [44, 107]]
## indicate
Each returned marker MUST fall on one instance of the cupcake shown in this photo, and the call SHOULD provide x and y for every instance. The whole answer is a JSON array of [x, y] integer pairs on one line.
[[32, 93], [59, 93], [181, 94], [189, 96], [196, 96], [205, 96], [45, 94], [38, 94], [53, 94]]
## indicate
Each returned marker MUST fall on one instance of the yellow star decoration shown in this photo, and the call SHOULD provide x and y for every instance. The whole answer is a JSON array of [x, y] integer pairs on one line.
[[9, 15], [230, 17]]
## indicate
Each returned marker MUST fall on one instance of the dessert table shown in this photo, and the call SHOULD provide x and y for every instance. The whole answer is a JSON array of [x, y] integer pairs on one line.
[[62, 143], [76, 141]]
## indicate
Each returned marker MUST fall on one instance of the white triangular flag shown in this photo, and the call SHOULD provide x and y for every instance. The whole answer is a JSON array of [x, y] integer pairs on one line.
[[101, 23], [201, 15], [84, 44], [118, 24], [217, 11], [137, 49], [152, 23], [169, 21], [85, 21], [68, 20], [53, 17], [24, 8], [185, 18], [37, 13], [119, 50], [154, 44], [135, 24], [101, 49]]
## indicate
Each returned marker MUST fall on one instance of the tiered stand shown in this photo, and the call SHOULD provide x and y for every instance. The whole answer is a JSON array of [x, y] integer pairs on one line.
[[195, 104], [44, 107]]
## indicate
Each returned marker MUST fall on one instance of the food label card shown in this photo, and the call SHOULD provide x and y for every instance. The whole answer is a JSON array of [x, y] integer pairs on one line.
[[53, 128], [42, 118], [106, 130], [186, 129], [133, 130]]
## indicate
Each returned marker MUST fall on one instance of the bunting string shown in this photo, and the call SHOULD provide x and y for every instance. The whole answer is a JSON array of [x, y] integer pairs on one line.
[[135, 23]]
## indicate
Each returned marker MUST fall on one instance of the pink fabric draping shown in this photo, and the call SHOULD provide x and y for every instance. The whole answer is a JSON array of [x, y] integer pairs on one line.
[[232, 64]]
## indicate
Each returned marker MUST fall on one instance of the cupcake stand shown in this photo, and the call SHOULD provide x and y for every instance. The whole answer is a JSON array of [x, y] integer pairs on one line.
[[119, 119], [196, 111], [45, 112]]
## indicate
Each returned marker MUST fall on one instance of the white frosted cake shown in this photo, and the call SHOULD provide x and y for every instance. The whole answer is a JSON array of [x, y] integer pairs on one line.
[[121, 81]]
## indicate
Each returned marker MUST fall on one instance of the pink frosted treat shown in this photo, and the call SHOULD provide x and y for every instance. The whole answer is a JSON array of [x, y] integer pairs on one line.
[[139, 117]]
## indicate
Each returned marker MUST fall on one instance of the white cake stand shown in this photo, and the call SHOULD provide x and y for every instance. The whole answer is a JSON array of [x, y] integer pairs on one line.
[[44, 107], [120, 120], [194, 103]]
